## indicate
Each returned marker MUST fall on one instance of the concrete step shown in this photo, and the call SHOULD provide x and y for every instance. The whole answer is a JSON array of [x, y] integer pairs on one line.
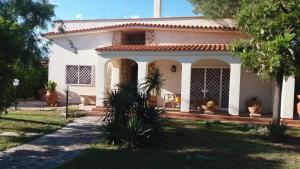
[[98, 109]]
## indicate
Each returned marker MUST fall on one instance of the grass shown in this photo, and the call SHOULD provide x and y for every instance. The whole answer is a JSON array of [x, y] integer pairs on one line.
[[196, 145], [29, 125]]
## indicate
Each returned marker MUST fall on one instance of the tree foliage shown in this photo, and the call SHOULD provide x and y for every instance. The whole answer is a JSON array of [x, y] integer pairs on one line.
[[273, 44], [274, 30], [273, 49], [216, 8], [20, 43]]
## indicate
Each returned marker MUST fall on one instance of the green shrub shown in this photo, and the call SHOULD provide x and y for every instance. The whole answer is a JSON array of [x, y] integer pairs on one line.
[[130, 121], [50, 86], [277, 132], [207, 124], [138, 134], [217, 122], [254, 129]]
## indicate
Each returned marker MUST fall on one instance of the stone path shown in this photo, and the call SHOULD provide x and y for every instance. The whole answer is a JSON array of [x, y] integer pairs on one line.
[[51, 150]]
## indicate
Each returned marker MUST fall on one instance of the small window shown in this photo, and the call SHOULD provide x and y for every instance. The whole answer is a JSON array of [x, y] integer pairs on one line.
[[133, 38], [79, 75]]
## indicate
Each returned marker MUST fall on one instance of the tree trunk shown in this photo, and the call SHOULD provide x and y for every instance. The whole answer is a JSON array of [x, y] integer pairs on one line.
[[277, 99]]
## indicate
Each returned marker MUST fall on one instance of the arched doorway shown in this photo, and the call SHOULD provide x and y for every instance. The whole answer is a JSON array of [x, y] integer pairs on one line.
[[210, 80], [171, 73], [121, 71]]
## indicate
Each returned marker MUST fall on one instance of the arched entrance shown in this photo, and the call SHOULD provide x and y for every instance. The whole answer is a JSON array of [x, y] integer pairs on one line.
[[121, 71], [210, 81], [171, 73]]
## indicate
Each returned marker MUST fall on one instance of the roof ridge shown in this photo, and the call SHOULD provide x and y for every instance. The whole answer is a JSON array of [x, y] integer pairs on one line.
[[149, 25]]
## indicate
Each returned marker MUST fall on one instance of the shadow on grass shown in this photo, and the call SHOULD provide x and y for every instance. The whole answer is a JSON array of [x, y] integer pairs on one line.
[[30, 121], [190, 145]]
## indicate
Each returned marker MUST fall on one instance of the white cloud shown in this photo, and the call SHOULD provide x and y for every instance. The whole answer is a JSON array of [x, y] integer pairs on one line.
[[78, 16], [135, 16]]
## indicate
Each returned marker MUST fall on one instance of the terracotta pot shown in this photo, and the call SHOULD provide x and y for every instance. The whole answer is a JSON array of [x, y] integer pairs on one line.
[[51, 98], [209, 110], [153, 100], [255, 108], [298, 105]]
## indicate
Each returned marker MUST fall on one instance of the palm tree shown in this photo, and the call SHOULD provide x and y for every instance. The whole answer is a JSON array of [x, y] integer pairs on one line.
[[153, 83]]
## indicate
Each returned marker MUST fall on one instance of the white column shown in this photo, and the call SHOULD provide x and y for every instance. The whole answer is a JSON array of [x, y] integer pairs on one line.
[[142, 71], [185, 87], [234, 89], [287, 98], [100, 80]]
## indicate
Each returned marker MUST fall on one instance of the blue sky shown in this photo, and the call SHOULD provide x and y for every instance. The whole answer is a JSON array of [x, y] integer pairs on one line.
[[95, 9]]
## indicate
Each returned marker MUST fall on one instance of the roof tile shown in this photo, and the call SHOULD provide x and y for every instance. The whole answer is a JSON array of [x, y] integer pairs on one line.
[[191, 47], [143, 25]]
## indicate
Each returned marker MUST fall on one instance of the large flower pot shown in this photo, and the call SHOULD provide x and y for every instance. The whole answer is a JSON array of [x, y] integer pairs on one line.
[[298, 105], [209, 109], [255, 109], [51, 98]]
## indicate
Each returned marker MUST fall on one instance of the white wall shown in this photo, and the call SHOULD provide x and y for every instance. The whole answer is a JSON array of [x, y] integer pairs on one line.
[[176, 37], [61, 55], [252, 85], [172, 79]]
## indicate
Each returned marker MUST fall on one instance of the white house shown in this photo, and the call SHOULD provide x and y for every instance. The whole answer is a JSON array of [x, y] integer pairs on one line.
[[191, 52]]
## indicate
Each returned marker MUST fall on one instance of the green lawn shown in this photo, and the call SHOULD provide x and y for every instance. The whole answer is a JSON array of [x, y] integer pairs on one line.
[[28, 124], [194, 145]]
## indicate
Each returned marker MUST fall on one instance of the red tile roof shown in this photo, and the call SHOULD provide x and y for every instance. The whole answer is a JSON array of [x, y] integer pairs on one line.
[[192, 47], [144, 25]]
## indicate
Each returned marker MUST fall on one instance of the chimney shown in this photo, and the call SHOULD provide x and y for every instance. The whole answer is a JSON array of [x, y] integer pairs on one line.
[[157, 8]]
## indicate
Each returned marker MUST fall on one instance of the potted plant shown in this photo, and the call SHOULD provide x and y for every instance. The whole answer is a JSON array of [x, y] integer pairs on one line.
[[51, 96], [298, 105], [254, 107], [153, 85], [210, 107]]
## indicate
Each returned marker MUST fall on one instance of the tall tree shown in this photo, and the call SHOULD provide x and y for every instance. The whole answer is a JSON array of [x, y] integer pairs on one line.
[[216, 8], [272, 50], [20, 40]]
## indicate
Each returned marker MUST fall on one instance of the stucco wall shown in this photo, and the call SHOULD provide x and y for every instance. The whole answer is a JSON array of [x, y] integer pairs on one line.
[[61, 55], [252, 85], [176, 37], [172, 79]]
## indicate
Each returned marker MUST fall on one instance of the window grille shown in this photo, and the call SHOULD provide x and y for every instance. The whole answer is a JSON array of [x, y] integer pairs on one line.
[[79, 75]]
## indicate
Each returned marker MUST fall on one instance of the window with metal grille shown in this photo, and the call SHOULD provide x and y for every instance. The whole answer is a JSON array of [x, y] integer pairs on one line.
[[79, 75]]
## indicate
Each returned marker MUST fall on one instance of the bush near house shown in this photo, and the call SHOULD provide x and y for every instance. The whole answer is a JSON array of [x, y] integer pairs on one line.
[[32, 78], [130, 120]]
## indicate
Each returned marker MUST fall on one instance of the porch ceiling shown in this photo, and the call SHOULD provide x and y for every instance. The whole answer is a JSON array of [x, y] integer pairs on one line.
[[191, 47]]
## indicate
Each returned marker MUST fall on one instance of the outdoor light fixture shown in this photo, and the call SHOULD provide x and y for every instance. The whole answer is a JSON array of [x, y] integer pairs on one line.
[[66, 89], [173, 68], [16, 83]]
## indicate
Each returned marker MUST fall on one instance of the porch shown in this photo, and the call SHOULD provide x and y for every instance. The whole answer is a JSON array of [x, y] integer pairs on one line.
[[193, 76]]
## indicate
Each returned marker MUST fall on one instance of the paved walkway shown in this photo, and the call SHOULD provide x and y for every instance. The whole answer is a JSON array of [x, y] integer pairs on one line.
[[51, 150]]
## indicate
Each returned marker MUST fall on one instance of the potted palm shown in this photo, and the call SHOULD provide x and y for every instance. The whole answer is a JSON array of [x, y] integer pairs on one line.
[[153, 85], [51, 96], [254, 107], [209, 107]]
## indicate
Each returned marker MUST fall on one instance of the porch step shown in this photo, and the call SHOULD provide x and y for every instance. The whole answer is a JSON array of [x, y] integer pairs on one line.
[[243, 120], [98, 109]]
